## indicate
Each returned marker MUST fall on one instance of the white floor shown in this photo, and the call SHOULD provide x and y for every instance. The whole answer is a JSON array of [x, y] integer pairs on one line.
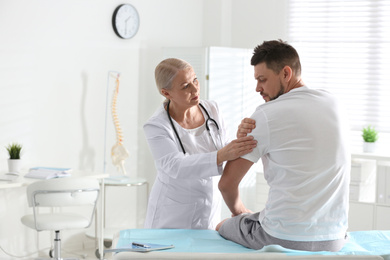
[[87, 254]]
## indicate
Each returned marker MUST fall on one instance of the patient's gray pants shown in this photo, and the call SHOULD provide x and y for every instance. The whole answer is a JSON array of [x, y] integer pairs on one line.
[[246, 230]]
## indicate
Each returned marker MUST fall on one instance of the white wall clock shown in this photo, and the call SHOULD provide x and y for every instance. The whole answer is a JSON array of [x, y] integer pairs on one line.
[[125, 21]]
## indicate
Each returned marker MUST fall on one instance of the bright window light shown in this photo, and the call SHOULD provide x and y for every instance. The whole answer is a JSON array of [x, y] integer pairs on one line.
[[345, 48]]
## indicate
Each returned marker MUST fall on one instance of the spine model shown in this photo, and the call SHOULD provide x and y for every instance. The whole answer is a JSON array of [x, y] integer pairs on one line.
[[118, 152]]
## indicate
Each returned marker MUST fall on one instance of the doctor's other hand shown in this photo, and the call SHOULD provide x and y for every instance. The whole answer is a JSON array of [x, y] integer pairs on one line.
[[236, 148], [246, 126]]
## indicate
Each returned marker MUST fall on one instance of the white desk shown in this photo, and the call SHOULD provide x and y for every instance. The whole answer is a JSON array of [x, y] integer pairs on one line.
[[371, 156], [9, 184], [21, 181]]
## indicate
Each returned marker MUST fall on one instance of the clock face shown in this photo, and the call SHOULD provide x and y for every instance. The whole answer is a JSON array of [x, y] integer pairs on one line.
[[125, 21]]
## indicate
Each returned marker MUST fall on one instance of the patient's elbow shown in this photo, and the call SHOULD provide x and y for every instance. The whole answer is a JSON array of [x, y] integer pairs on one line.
[[223, 185]]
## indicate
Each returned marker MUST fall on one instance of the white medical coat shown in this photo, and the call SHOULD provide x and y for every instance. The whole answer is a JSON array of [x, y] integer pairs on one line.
[[185, 193]]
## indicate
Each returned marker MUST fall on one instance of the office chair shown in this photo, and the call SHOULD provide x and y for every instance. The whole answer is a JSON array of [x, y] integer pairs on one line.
[[61, 192]]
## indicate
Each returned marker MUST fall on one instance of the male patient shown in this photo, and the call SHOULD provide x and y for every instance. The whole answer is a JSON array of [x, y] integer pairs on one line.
[[302, 141]]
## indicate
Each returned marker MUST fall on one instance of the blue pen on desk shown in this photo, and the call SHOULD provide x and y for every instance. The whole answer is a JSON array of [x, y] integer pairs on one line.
[[140, 245]]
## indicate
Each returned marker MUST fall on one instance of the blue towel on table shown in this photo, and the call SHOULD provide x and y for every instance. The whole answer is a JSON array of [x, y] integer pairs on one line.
[[371, 242]]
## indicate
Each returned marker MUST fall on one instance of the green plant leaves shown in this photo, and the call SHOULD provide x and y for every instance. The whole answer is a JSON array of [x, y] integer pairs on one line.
[[14, 150], [370, 135]]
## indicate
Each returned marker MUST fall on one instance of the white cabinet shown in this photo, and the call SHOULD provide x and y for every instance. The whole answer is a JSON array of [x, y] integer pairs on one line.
[[382, 217], [361, 216], [368, 216], [370, 198], [363, 180]]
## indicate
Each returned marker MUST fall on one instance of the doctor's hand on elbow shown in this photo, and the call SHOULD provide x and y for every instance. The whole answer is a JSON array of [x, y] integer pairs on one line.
[[236, 149], [246, 126]]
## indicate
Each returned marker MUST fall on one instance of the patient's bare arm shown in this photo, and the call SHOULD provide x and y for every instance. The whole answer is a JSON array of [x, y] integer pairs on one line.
[[228, 185]]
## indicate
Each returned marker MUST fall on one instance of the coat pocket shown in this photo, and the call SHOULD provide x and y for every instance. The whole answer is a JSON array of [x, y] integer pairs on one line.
[[177, 215]]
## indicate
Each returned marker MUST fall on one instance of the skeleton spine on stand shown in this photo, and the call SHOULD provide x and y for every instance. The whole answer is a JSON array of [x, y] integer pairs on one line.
[[118, 152]]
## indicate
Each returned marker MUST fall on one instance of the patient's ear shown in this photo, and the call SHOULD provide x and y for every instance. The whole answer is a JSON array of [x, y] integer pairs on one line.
[[287, 73]]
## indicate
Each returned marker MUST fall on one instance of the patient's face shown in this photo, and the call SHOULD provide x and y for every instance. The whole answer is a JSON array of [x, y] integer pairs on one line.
[[269, 84]]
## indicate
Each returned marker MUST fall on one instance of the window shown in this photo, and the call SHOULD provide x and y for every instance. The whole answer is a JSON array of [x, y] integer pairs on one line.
[[345, 48], [232, 85]]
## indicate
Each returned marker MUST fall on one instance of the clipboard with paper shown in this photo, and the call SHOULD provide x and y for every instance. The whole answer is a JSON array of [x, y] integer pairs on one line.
[[139, 247]]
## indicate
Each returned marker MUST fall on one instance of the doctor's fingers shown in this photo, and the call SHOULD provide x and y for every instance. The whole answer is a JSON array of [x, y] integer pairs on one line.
[[245, 147], [246, 126], [249, 121], [231, 151], [244, 143], [247, 140], [242, 133], [237, 149], [242, 150]]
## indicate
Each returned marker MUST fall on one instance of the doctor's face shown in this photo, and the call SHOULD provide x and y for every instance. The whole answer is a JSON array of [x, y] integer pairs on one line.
[[185, 88], [269, 83]]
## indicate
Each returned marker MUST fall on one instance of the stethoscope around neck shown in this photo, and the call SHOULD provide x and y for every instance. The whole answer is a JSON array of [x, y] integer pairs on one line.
[[208, 120]]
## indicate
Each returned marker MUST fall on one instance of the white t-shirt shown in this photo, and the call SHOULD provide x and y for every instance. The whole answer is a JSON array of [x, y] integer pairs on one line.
[[304, 148]]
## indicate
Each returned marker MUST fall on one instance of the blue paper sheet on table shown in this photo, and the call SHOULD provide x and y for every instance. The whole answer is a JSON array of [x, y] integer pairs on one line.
[[371, 242]]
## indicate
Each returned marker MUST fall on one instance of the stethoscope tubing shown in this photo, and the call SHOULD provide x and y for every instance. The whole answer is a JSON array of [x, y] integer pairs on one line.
[[209, 119]]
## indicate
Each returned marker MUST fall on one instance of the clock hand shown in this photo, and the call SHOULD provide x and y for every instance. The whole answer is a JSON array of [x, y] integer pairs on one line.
[[126, 20]]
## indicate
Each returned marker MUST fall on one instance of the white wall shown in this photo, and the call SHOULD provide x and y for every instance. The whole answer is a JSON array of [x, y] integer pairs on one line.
[[54, 65], [255, 21], [55, 56]]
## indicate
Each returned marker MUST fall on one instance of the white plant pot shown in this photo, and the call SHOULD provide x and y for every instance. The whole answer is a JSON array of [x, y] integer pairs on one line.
[[369, 147], [14, 165]]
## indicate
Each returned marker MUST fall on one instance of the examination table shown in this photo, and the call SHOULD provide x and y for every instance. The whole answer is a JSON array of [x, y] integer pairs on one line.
[[208, 244]]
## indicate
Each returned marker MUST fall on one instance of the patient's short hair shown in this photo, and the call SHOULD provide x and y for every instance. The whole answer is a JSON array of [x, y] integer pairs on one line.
[[277, 54], [167, 70]]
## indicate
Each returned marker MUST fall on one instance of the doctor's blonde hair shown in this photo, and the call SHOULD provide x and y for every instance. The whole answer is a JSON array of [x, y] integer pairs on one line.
[[167, 70]]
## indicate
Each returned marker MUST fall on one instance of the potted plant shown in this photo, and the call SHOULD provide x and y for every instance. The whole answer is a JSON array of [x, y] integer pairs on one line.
[[370, 136], [14, 161]]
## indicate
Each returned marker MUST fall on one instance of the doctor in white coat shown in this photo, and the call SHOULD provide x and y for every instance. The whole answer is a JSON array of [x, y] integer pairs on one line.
[[188, 141]]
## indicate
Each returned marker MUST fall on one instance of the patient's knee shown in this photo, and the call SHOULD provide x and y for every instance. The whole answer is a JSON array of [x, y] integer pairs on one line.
[[220, 224]]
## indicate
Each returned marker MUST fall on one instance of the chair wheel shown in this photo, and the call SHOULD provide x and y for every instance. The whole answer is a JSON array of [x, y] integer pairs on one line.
[[107, 244], [51, 253], [97, 253]]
